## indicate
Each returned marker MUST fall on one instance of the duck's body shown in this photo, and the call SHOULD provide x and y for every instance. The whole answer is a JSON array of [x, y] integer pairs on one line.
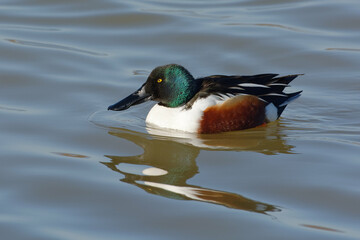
[[212, 115], [211, 104]]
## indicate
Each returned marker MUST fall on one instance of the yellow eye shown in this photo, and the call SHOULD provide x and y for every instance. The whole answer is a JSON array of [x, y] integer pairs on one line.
[[159, 80]]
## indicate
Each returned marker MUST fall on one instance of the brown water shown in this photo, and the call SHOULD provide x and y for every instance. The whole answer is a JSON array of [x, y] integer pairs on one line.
[[72, 170]]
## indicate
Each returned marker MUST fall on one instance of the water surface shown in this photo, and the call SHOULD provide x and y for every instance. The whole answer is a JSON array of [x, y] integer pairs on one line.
[[72, 170]]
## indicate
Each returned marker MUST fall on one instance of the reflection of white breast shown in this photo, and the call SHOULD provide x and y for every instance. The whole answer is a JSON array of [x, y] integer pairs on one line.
[[179, 118]]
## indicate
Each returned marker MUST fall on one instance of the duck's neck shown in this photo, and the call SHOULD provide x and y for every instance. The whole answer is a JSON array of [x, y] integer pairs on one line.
[[184, 86]]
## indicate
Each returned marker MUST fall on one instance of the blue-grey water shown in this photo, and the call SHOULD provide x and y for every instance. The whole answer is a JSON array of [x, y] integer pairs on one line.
[[72, 170]]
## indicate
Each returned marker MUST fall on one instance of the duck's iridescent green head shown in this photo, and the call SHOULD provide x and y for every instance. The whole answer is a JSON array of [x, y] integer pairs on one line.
[[170, 85]]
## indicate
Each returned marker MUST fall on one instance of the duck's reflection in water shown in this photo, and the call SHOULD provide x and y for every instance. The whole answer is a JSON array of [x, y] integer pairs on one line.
[[166, 165]]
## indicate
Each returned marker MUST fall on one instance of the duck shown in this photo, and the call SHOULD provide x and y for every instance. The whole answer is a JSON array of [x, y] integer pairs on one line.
[[212, 104]]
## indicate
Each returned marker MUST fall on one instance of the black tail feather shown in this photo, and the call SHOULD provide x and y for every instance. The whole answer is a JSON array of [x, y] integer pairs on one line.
[[291, 97]]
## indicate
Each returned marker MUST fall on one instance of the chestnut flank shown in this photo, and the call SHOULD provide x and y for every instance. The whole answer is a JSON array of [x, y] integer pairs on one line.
[[236, 113]]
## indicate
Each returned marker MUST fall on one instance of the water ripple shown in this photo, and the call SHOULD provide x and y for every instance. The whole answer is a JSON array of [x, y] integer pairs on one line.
[[28, 28], [343, 49], [141, 72], [271, 25], [55, 46], [12, 109]]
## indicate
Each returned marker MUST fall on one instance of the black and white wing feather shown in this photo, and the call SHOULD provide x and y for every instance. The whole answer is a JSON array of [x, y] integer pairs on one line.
[[268, 87]]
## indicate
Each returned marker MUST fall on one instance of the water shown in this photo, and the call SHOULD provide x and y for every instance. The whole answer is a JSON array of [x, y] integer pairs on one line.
[[72, 170]]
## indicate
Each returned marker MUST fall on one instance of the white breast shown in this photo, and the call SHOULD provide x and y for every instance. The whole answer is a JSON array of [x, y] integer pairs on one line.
[[179, 118]]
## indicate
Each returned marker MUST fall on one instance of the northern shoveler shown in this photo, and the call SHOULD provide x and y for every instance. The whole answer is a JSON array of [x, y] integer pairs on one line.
[[210, 104]]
